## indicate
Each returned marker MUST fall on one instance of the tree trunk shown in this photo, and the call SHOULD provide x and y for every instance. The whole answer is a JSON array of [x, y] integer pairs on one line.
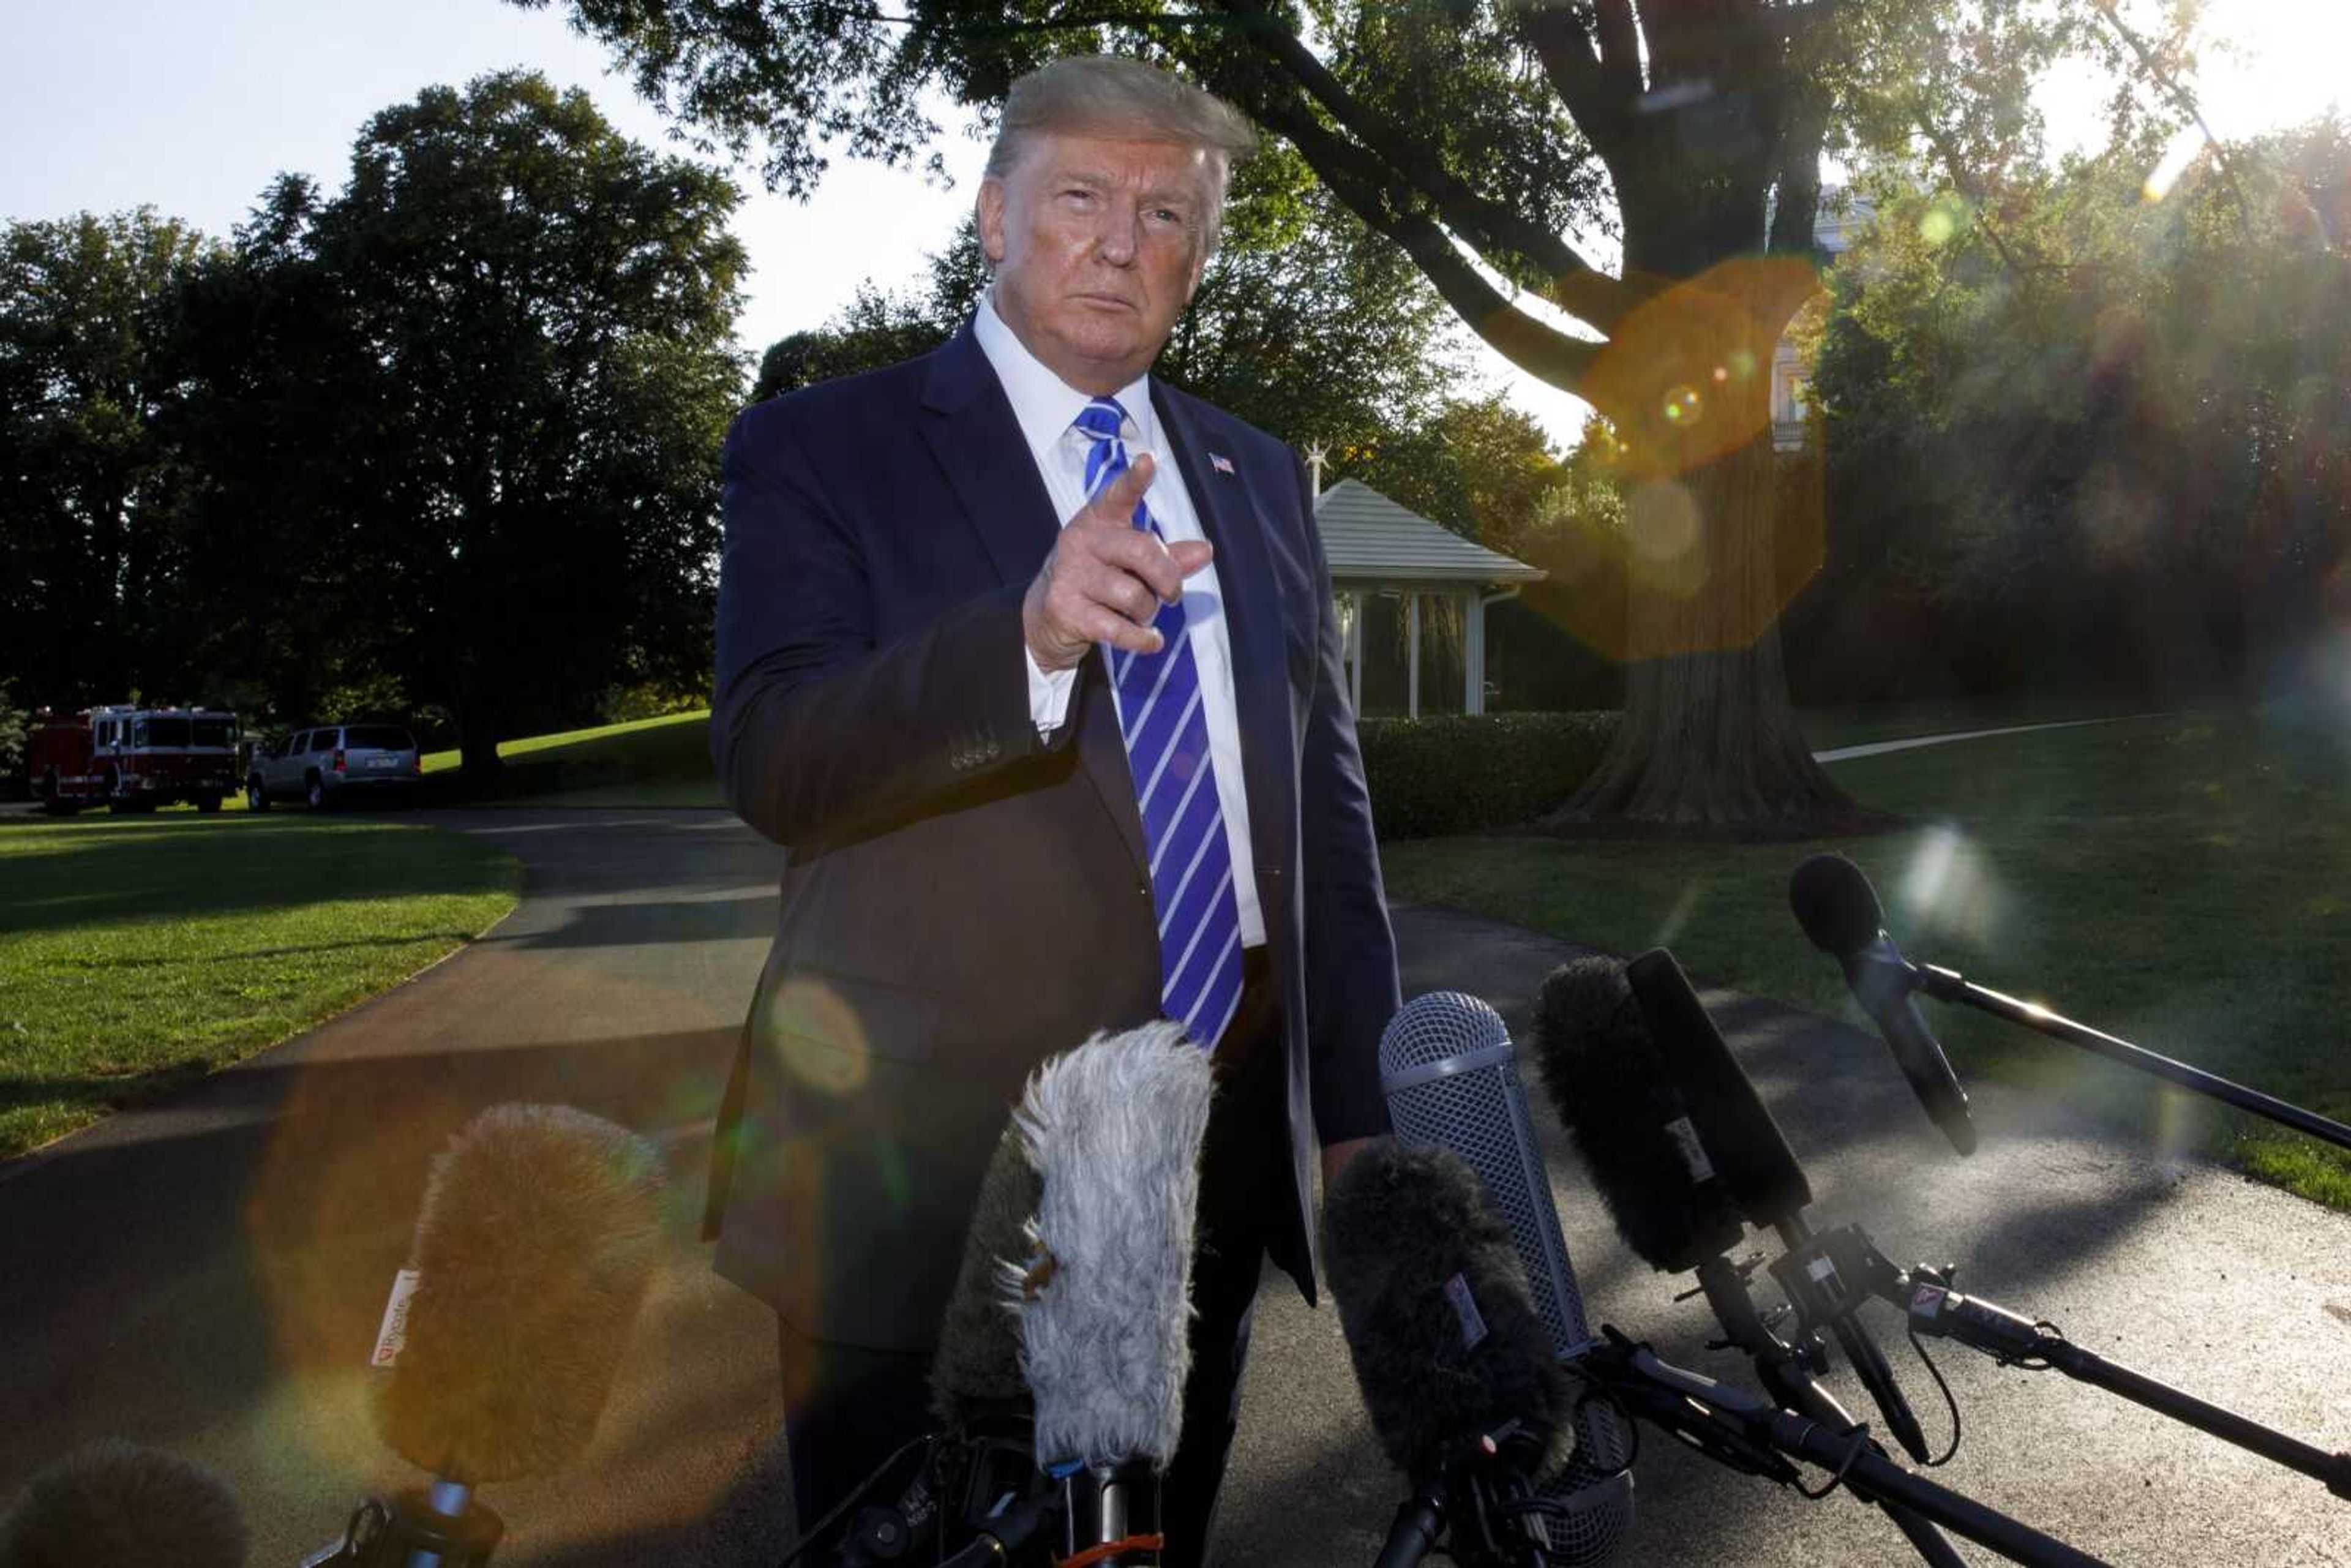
[[1708, 735], [1716, 545], [477, 740]]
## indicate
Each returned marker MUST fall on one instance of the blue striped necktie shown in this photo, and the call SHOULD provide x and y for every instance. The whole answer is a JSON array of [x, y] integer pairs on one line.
[[1167, 733]]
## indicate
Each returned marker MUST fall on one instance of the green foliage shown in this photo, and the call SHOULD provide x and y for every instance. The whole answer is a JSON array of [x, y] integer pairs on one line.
[[12, 737], [1519, 131], [479, 397], [446, 440], [2097, 432], [1477, 464], [90, 535], [1461, 773]]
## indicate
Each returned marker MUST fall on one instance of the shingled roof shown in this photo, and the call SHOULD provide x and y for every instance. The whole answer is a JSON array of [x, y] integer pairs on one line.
[[1370, 538]]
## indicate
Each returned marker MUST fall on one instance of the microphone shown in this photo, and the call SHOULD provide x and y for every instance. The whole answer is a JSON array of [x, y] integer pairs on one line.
[[1627, 1120], [1758, 1166], [1451, 1079], [975, 1373], [1113, 1131], [1456, 1369], [1840, 913], [113, 1504], [1760, 1171], [532, 1256]]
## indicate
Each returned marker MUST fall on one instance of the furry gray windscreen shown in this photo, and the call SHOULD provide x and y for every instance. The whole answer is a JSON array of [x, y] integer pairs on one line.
[[1112, 1130]]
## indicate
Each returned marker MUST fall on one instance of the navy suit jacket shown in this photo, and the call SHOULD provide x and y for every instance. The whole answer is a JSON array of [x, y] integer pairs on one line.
[[963, 899]]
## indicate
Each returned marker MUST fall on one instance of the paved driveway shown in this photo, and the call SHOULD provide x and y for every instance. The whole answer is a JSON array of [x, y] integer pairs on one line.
[[206, 1274]]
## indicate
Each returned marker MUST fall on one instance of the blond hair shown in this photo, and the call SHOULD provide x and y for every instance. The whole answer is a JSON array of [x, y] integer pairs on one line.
[[1110, 95]]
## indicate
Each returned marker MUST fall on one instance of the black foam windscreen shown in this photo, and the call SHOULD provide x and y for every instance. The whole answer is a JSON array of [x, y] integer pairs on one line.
[[116, 1505], [1451, 1078], [1445, 1340], [1835, 904], [1627, 1120], [1749, 1154], [978, 1365]]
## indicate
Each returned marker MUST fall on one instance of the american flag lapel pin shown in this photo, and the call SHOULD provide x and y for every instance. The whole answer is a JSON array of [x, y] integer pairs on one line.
[[1220, 463]]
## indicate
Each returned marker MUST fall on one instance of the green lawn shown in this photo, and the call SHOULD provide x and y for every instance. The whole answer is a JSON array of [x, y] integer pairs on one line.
[[137, 953], [2184, 882], [660, 761]]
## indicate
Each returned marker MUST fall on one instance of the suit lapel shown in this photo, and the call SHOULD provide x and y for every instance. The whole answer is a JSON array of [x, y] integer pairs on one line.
[[968, 423], [1252, 628]]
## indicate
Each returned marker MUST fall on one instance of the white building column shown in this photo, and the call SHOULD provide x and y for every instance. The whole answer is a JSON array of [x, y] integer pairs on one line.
[[1473, 651], [1356, 651], [1412, 647]]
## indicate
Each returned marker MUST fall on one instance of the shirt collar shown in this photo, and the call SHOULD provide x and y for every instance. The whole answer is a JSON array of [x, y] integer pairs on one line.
[[1044, 403]]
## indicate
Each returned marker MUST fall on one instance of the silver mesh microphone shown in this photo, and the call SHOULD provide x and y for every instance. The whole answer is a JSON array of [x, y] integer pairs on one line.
[[1451, 1078]]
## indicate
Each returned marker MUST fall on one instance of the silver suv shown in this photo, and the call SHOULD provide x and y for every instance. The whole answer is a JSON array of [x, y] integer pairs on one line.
[[333, 762]]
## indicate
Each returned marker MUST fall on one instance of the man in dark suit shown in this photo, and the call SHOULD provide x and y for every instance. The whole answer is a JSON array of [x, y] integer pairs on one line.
[[1032, 662]]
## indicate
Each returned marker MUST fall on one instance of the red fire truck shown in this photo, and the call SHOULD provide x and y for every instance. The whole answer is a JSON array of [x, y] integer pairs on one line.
[[132, 759]]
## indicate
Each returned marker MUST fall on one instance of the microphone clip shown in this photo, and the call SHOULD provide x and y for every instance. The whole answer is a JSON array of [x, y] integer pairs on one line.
[[1827, 1276]]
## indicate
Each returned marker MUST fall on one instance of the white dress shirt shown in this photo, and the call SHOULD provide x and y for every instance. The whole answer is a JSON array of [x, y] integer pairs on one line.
[[1047, 408]]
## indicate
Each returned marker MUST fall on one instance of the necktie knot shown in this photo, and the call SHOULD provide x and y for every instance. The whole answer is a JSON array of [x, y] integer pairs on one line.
[[1100, 420]]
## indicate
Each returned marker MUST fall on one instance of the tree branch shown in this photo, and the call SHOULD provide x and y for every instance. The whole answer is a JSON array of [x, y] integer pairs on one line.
[[1966, 183], [1496, 231], [1359, 182], [1599, 92], [2180, 96], [1620, 45]]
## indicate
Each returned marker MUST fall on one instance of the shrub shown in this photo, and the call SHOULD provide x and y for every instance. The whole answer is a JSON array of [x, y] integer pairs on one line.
[[1458, 773]]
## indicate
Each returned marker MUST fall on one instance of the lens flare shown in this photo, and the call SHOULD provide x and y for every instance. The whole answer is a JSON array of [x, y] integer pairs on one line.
[[819, 1037], [1944, 218], [2176, 159], [1662, 535], [1946, 889], [1683, 407]]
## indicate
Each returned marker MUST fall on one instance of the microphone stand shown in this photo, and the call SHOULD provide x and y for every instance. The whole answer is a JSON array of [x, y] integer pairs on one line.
[[2013, 1340], [1951, 985], [446, 1528], [1479, 1490], [1748, 1434], [1787, 1370], [1868, 1362]]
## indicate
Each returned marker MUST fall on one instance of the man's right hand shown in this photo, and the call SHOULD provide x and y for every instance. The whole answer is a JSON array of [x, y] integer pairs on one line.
[[1106, 579]]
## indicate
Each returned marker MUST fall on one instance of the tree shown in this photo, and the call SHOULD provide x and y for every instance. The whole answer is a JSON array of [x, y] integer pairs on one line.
[[2108, 444], [514, 375], [87, 483], [1493, 144], [12, 740]]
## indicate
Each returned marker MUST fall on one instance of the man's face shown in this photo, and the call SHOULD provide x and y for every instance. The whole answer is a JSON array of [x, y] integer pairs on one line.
[[1097, 244]]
